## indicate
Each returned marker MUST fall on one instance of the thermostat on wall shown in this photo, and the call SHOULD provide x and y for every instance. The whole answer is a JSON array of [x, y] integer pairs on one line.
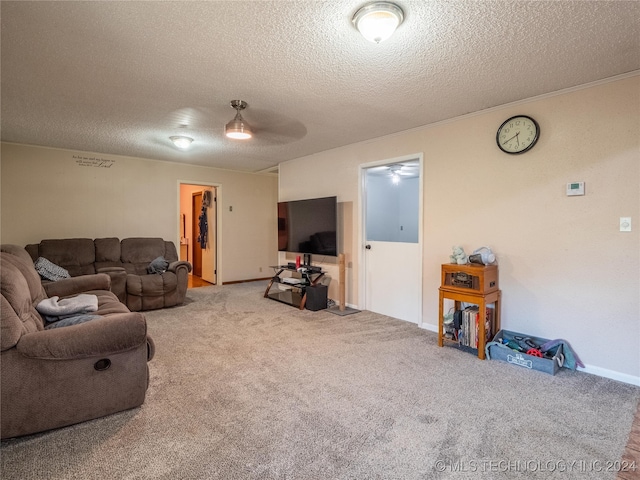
[[575, 188]]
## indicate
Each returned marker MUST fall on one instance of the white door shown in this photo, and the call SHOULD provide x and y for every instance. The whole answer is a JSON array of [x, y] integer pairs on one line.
[[392, 212]]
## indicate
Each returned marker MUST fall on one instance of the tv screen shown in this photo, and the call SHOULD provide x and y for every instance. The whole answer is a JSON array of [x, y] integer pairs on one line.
[[308, 226]]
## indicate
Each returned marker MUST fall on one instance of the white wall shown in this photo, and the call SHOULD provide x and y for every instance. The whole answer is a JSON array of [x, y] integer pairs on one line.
[[53, 193], [566, 271]]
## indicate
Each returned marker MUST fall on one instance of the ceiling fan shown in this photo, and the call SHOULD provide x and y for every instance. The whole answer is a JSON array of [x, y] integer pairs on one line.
[[262, 126], [398, 170], [267, 128]]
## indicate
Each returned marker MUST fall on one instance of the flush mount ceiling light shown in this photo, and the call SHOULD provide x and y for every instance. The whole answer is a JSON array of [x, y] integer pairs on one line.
[[238, 128], [181, 142], [377, 21]]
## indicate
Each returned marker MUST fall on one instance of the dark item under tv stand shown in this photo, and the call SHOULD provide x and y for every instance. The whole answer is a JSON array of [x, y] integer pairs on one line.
[[296, 295]]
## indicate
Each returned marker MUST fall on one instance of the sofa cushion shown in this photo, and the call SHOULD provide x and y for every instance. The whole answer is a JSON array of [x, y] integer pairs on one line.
[[12, 326], [151, 285], [107, 253], [18, 251], [170, 252], [76, 255], [137, 253], [73, 320], [107, 249], [17, 312], [24, 272], [108, 303], [141, 250]]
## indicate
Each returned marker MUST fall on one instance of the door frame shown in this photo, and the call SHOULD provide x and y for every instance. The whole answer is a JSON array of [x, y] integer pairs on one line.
[[218, 226], [362, 258]]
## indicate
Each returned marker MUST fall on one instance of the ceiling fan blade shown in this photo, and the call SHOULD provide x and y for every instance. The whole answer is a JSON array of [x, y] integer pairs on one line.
[[272, 128]]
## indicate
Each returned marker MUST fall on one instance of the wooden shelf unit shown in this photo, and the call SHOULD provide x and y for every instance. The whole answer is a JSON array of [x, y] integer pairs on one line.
[[475, 284]]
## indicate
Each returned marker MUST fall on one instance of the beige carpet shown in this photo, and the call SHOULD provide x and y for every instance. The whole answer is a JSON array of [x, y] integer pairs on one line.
[[247, 388]]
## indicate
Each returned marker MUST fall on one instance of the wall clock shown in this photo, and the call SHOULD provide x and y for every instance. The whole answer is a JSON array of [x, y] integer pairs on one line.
[[518, 134]]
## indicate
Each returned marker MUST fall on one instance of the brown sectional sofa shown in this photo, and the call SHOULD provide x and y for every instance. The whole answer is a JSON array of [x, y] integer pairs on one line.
[[126, 262], [51, 378]]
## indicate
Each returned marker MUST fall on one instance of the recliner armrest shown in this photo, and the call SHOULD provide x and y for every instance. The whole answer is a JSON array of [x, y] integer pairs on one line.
[[103, 336], [75, 285], [173, 266], [118, 281]]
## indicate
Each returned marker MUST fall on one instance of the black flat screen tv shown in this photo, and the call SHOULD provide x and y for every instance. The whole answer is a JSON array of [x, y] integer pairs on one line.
[[309, 226]]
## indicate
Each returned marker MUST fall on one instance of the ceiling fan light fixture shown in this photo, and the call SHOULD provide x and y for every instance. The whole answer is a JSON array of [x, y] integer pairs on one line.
[[181, 141], [377, 21], [238, 128]]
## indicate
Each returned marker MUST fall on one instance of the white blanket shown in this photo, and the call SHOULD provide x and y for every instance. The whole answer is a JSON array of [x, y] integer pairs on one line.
[[83, 303]]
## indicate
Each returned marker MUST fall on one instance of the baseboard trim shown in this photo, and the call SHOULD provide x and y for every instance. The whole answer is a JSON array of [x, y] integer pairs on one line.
[[613, 375], [590, 369], [428, 326], [247, 281]]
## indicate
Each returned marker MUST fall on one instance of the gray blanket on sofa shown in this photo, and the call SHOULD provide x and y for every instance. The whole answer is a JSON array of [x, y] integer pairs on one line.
[[54, 307]]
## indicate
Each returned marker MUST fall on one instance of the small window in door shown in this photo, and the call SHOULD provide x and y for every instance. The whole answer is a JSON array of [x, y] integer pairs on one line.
[[392, 202]]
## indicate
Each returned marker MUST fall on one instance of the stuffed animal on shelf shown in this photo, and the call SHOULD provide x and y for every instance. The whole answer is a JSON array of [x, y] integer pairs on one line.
[[458, 256]]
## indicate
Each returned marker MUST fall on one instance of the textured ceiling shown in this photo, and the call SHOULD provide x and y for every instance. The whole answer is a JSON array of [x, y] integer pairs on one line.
[[122, 77]]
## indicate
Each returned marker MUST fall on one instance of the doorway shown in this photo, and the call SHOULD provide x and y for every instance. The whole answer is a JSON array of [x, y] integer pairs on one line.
[[198, 231], [196, 208], [391, 267]]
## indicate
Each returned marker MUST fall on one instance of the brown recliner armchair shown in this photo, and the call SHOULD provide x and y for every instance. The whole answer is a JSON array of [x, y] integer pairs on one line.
[[156, 290], [51, 378]]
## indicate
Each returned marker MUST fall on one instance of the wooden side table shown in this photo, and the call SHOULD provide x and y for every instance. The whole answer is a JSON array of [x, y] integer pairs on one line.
[[482, 301], [475, 284]]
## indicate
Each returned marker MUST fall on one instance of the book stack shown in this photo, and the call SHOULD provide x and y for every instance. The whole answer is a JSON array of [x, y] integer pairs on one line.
[[469, 326]]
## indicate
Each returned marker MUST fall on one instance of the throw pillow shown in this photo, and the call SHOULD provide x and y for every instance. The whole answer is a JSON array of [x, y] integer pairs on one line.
[[49, 270], [158, 265]]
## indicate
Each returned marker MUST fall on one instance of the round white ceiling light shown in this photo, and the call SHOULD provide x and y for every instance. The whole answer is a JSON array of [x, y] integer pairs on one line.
[[377, 21], [181, 142]]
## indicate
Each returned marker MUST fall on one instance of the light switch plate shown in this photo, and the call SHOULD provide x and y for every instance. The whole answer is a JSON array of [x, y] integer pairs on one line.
[[625, 224]]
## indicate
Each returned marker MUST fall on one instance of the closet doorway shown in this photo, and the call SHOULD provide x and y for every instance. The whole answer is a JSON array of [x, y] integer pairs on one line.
[[198, 231]]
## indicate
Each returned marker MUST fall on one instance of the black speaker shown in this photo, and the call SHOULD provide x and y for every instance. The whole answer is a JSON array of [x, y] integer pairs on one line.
[[316, 297]]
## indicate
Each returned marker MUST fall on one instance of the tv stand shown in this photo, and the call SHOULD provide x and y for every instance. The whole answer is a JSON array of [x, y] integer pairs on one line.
[[296, 293]]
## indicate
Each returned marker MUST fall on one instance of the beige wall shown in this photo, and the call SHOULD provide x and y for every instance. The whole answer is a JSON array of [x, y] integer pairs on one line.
[[53, 193], [566, 271]]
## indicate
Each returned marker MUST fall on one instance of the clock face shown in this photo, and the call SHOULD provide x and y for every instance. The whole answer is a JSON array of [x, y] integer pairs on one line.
[[518, 134]]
